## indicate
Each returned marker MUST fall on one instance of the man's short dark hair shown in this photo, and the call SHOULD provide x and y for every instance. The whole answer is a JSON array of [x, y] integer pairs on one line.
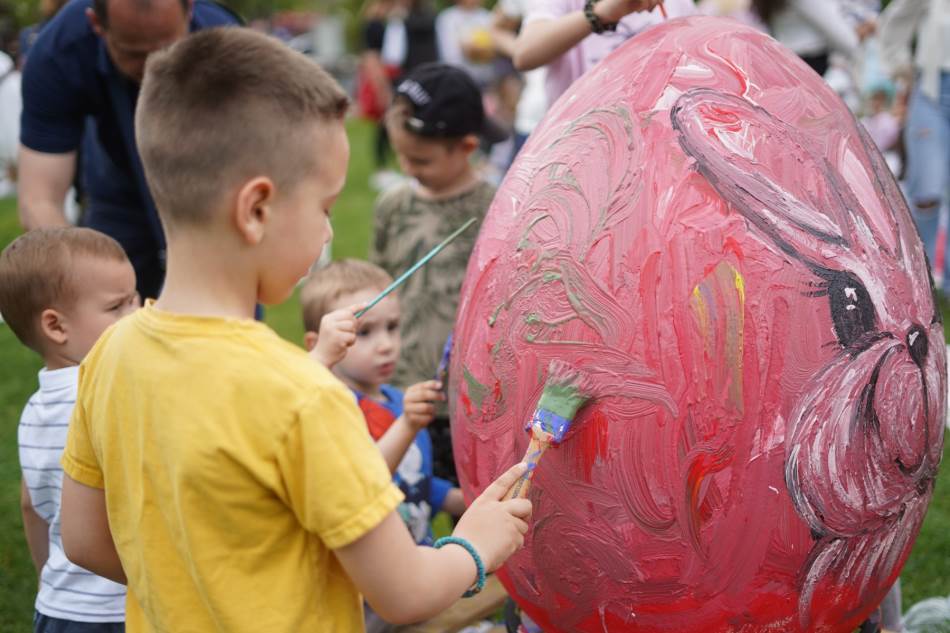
[[101, 8]]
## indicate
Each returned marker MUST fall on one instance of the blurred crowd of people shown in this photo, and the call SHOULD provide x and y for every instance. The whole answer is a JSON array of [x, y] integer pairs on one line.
[[522, 55]]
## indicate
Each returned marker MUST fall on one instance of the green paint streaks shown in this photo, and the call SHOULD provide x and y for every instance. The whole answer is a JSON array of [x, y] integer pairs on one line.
[[563, 399], [476, 390]]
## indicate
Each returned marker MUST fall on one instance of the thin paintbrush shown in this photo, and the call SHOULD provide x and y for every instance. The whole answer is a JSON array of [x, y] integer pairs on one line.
[[566, 390], [412, 269], [663, 11]]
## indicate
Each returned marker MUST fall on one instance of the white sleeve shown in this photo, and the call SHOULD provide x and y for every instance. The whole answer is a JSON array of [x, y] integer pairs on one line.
[[544, 10], [395, 43], [447, 36], [514, 9], [896, 29], [826, 18]]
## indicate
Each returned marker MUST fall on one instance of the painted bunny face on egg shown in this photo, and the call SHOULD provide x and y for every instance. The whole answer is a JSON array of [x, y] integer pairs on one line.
[[867, 435]]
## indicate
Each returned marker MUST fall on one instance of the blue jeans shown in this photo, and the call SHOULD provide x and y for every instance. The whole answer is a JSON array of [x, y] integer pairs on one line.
[[45, 624], [927, 138]]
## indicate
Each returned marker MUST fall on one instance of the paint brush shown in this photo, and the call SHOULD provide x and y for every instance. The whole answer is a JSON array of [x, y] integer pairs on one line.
[[443, 368], [566, 390], [663, 11], [412, 269]]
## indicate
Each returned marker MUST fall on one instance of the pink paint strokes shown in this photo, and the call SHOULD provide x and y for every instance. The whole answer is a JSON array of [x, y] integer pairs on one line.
[[700, 225]]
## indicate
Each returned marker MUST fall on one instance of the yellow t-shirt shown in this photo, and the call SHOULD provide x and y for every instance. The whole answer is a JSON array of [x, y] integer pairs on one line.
[[232, 465]]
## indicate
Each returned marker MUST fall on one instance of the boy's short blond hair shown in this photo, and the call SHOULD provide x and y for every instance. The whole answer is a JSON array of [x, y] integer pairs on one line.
[[224, 105], [325, 286], [38, 270]]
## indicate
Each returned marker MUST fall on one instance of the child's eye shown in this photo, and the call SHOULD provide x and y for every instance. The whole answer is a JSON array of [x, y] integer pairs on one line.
[[393, 326], [363, 332]]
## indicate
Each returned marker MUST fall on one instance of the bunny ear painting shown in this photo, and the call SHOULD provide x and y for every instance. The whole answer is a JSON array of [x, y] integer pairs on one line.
[[700, 226]]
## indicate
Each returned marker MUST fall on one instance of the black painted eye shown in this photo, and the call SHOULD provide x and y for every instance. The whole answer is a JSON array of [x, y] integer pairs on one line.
[[918, 345], [851, 309]]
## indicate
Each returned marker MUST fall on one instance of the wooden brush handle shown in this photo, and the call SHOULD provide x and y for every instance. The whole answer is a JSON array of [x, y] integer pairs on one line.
[[532, 457]]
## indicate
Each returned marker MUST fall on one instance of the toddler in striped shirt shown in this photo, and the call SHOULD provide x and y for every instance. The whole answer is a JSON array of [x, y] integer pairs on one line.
[[59, 290]]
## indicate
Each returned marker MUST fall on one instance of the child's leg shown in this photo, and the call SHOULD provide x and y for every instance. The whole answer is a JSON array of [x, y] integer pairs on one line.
[[891, 609], [443, 464], [926, 137]]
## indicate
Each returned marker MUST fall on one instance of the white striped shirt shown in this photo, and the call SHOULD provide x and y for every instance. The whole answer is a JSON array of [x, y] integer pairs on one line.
[[66, 591]]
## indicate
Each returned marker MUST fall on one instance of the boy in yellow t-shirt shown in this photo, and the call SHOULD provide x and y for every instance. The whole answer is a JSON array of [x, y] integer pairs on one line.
[[219, 470]]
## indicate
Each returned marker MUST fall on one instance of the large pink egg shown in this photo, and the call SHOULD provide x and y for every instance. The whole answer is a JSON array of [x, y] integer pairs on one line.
[[701, 227]]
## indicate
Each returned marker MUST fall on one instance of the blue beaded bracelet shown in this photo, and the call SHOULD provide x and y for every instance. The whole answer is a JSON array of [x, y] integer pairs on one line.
[[454, 540]]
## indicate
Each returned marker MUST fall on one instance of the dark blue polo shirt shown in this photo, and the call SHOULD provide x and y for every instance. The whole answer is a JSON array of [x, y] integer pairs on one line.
[[71, 87]]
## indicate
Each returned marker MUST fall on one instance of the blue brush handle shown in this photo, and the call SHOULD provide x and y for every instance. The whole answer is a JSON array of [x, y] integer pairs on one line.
[[443, 367], [549, 422], [419, 264]]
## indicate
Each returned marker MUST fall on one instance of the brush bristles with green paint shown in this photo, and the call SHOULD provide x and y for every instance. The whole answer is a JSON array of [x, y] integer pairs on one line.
[[566, 390]]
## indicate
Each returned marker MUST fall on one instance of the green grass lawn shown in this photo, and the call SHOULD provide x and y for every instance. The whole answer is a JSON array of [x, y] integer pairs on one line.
[[927, 573]]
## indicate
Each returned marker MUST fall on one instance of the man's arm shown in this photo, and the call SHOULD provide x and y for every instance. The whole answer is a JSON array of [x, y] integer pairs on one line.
[[44, 181], [87, 539], [35, 529]]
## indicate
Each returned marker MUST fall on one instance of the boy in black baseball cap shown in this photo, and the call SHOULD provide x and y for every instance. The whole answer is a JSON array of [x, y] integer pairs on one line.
[[446, 103], [434, 123]]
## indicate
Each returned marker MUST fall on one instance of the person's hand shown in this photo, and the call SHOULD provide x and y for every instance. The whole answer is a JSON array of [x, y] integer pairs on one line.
[[494, 527], [614, 10], [337, 334], [417, 403], [866, 29]]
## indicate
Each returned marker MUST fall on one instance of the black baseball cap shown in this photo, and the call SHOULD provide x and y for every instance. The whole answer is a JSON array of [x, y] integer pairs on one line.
[[446, 103]]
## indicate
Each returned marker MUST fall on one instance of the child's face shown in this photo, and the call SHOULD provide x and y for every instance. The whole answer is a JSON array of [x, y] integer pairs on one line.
[[371, 361], [105, 291], [435, 164], [301, 218]]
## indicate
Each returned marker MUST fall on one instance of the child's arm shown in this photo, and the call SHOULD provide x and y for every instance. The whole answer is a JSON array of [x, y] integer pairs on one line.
[[35, 529], [418, 411], [444, 496], [87, 539], [337, 334], [454, 502], [544, 40], [407, 583]]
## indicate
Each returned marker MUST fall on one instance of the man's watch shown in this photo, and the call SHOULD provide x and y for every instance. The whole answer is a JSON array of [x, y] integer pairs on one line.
[[596, 24]]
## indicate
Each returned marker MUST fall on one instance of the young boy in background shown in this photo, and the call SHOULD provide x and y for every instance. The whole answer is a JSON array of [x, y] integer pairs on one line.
[[59, 290], [396, 421], [364, 355], [215, 467], [434, 124]]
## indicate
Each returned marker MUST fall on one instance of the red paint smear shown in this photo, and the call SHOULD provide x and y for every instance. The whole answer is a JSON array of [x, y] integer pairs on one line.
[[467, 403], [591, 444]]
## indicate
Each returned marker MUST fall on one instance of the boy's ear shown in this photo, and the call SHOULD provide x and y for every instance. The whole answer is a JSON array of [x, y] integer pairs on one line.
[[53, 326], [253, 208], [310, 340], [468, 143]]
